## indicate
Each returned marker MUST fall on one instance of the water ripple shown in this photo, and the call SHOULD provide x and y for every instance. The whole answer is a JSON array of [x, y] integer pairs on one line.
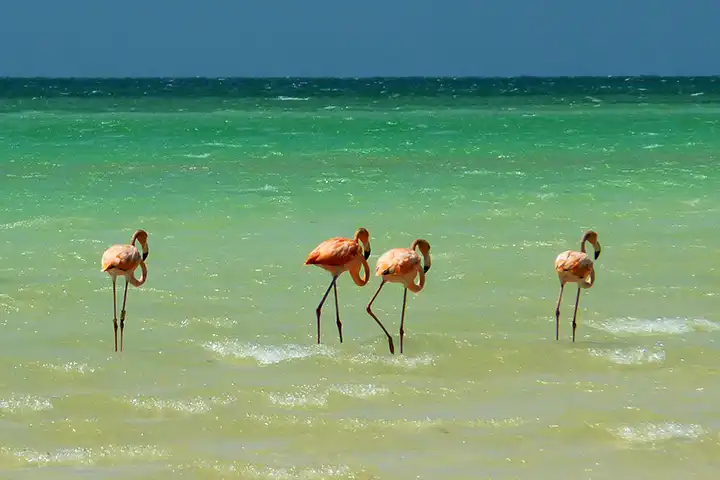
[[356, 423], [17, 404], [84, 456], [31, 222]]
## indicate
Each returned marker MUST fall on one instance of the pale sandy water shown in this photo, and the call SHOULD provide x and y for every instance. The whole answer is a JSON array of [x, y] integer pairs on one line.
[[221, 377]]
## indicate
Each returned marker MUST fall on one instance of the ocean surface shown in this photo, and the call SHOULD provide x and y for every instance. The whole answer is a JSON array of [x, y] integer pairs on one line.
[[237, 180]]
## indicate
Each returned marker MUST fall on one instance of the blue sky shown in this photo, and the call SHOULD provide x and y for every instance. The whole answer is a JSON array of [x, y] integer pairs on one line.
[[360, 38]]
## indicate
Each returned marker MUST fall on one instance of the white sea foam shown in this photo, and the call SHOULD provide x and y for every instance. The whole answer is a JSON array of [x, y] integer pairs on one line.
[[222, 144], [658, 326], [299, 399], [360, 390], [219, 322], [7, 304], [477, 172], [69, 367], [296, 473], [264, 188], [318, 396], [191, 406], [402, 361], [267, 354], [630, 356], [652, 432]]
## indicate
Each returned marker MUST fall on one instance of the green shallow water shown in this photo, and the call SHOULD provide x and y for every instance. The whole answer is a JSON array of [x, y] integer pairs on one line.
[[236, 181]]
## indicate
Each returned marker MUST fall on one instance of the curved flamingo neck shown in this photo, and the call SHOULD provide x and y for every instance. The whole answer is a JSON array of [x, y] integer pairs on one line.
[[143, 278], [420, 285], [355, 274], [591, 281], [583, 242]]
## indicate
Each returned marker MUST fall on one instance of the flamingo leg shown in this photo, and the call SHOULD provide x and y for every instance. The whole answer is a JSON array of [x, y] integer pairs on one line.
[[369, 311], [337, 311], [115, 324], [577, 301], [319, 307], [557, 313], [402, 320], [122, 316]]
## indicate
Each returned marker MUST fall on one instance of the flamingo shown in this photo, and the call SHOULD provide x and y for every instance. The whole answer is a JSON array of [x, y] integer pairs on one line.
[[576, 267], [337, 255], [124, 260], [402, 265]]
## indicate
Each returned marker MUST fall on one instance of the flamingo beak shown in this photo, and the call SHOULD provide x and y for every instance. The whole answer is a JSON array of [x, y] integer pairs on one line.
[[367, 254], [426, 268]]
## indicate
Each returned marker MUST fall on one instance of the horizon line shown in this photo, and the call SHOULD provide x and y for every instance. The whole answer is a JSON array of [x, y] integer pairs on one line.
[[368, 77]]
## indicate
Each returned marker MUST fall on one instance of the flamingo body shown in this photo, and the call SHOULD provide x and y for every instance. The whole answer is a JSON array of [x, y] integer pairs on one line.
[[399, 263], [575, 267], [121, 260], [336, 255]]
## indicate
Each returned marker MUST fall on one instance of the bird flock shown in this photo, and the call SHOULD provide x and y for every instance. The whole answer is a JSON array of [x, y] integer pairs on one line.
[[339, 254]]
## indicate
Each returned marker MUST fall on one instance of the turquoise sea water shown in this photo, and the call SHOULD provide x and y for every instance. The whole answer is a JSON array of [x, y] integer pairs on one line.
[[237, 180]]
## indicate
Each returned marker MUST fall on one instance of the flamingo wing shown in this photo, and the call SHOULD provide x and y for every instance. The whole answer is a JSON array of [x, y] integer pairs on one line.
[[398, 261], [335, 251], [122, 257], [578, 264]]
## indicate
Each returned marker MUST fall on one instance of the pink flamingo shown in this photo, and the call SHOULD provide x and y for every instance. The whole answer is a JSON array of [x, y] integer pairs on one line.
[[576, 267], [402, 265], [124, 260], [337, 255]]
